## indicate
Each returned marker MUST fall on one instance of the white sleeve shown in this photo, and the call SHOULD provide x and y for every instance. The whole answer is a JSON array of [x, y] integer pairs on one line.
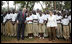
[[61, 17], [16, 16], [69, 17], [13, 17], [32, 17], [44, 17], [4, 19], [56, 17]]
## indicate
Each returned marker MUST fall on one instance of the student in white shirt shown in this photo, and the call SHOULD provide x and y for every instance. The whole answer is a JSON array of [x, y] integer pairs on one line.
[[35, 23], [26, 28], [65, 23], [14, 24], [29, 21], [11, 26], [37, 13], [7, 19], [59, 27], [45, 15], [41, 22], [51, 26]]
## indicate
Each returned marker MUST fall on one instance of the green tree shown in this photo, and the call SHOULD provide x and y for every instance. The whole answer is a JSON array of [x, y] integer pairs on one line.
[[48, 5], [1, 3], [54, 5], [8, 4], [15, 4], [27, 4], [67, 5]]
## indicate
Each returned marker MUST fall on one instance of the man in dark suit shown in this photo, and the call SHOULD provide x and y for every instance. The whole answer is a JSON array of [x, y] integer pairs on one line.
[[21, 23]]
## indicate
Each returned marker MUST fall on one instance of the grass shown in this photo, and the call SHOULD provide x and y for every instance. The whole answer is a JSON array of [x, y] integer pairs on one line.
[[8, 38], [27, 40], [5, 38]]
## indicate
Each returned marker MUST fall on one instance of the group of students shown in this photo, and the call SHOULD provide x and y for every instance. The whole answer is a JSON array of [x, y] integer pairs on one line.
[[40, 24], [8, 25]]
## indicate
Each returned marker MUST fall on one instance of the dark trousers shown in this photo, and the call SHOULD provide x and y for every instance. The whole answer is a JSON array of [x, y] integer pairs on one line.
[[21, 25], [52, 33]]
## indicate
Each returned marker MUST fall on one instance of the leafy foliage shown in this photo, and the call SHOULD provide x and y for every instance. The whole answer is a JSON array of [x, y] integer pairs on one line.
[[30, 4]]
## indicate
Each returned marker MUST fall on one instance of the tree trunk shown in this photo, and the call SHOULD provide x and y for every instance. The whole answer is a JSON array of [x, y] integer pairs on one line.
[[54, 5], [31, 8], [27, 4], [61, 5]]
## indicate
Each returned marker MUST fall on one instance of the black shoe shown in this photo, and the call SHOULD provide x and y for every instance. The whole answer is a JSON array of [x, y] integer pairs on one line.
[[18, 39], [57, 37], [22, 38], [64, 39]]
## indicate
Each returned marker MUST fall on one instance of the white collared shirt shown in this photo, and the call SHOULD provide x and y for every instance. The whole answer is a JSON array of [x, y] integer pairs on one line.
[[45, 17], [65, 21], [52, 21], [14, 16], [29, 18], [8, 16], [4, 19], [41, 19], [34, 17], [59, 17], [69, 17], [38, 14]]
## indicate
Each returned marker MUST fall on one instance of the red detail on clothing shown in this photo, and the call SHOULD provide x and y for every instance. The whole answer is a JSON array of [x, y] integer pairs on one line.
[[23, 15]]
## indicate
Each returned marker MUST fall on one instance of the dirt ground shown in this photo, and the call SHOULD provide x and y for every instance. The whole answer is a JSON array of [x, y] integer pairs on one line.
[[33, 40]]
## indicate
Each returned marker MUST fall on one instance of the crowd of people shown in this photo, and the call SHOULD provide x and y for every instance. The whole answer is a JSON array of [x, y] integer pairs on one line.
[[25, 23]]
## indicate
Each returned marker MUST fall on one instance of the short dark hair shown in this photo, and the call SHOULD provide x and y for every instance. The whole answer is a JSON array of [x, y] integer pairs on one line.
[[34, 12]]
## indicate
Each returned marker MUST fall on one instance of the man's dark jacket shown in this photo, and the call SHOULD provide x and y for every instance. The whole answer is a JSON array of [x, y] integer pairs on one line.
[[20, 17]]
